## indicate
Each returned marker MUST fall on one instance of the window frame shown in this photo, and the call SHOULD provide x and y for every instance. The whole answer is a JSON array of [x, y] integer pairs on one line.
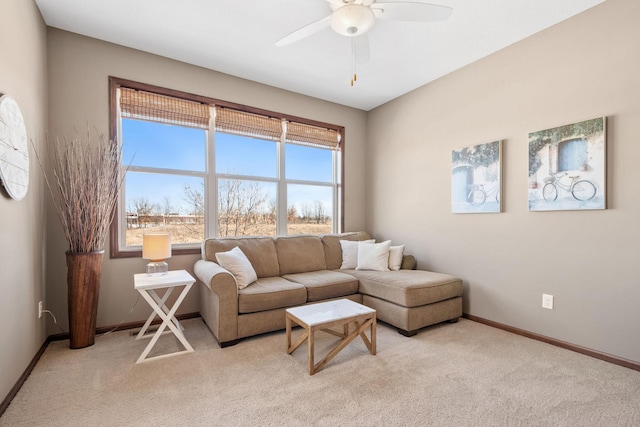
[[211, 175]]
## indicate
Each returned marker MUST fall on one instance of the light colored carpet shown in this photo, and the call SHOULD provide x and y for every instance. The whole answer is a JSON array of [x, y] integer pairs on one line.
[[463, 374]]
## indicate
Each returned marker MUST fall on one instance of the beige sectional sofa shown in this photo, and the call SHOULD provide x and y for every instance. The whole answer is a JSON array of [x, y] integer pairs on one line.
[[297, 270]]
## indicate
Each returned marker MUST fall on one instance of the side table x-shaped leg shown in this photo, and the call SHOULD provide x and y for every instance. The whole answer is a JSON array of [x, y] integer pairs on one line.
[[160, 309]]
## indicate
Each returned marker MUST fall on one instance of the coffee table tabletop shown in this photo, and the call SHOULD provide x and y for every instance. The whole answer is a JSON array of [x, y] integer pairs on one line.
[[326, 315]]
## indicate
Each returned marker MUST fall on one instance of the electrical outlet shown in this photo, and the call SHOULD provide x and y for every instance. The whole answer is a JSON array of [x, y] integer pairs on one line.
[[547, 301], [40, 310]]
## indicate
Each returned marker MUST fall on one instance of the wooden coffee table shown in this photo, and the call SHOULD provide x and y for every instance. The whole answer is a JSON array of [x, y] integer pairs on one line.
[[330, 314]]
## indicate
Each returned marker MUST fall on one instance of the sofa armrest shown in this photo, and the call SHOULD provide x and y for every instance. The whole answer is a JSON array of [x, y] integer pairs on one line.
[[212, 274], [218, 300], [408, 262]]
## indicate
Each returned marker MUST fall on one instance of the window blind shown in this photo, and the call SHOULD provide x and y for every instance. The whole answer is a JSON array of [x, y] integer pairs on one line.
[[137, 104], [247, 124], [314, 136]]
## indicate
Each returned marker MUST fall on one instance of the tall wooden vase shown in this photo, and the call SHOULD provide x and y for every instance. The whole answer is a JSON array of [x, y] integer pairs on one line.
[[83, 287]]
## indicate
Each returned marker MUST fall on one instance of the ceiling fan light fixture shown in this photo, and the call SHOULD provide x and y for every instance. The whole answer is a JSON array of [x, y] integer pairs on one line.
[[352, 20]]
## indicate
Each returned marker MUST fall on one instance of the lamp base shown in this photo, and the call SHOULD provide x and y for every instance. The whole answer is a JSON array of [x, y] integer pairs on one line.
[[157, 268]]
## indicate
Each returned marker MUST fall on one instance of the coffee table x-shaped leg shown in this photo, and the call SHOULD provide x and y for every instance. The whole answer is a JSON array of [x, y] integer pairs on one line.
[[362, 322]]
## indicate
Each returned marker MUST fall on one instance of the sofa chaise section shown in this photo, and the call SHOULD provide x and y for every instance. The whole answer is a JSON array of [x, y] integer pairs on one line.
[[411, 299]]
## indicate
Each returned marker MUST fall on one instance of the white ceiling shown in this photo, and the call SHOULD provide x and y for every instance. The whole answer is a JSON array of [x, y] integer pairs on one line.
[[237, 37]]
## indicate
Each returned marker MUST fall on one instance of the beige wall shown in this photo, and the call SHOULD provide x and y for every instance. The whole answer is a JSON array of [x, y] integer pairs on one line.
[[23, 77], [582, 68], [78, 72]]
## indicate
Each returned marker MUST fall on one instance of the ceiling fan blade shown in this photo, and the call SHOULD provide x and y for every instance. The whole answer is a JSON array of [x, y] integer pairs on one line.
[[411, 11], [334, 4], [305, 31]]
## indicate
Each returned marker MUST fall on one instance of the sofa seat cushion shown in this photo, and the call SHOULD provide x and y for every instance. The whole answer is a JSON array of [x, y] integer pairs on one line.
[[325, 284], [268, 293], [408, 288]]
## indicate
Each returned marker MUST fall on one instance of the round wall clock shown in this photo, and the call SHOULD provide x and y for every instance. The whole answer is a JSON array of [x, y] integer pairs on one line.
[[14, 151]]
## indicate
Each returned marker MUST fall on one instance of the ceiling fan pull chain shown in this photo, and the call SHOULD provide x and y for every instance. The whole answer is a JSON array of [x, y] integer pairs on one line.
[[353, 60]]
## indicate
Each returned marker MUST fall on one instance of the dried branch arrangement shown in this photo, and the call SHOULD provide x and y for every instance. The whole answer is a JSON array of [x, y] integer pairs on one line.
[[85, 188]]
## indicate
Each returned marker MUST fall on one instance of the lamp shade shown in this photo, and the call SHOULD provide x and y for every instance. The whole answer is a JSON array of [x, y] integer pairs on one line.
[[156, 247], [352, 19]]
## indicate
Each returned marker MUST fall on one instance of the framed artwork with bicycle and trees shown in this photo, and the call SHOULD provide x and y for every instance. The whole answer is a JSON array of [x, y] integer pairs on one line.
[[476, 174], [567, 167]]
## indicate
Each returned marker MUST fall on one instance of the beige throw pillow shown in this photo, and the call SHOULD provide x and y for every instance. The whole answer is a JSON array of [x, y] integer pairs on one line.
[[239, 265], [373, 256], [395, 257]]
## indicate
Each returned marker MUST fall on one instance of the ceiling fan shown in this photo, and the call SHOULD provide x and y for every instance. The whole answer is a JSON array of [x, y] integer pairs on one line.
[[356, 17], [353, 18]]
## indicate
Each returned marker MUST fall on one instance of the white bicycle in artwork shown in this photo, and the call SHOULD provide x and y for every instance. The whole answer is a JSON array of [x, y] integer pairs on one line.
[[582, 189], [478, 194]]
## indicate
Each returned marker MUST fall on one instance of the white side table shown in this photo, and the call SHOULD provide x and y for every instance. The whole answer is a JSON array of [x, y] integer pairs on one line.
[[148, 285]]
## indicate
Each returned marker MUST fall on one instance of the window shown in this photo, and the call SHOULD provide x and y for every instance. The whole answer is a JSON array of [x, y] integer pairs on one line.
[[309, 189], [197, 167], [159, 187]]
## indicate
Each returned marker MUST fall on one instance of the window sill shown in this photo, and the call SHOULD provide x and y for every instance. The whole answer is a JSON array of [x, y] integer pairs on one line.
[[137, 253]]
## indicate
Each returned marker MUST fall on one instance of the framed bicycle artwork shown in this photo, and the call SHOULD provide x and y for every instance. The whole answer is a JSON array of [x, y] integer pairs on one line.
[[476, 173], [567, 167]]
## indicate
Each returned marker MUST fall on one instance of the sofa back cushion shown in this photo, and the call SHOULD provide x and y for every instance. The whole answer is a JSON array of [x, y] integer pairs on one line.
[[333, 250], [300, 254], [261, 252]]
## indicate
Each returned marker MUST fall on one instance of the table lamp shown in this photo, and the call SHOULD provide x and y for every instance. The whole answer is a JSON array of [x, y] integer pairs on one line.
[[156, 248]]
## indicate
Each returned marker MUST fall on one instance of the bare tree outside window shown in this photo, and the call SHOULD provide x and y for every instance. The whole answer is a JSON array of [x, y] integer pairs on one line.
[[195, 200], [143, 209], [292, 214], [319, 212], [168, 207], [244, 209]]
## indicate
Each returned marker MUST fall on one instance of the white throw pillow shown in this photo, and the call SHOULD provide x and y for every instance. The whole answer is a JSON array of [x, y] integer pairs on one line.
[[350, 252], [395, 257], [373, 256], [239, 265]]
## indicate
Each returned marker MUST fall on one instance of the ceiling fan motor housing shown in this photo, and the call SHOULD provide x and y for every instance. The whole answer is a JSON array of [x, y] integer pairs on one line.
[[352, 19]]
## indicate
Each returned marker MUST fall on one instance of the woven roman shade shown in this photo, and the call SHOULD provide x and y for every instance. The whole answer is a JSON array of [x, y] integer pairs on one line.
[[137, 104], [247, 124], [304, 134], [142, 105]]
